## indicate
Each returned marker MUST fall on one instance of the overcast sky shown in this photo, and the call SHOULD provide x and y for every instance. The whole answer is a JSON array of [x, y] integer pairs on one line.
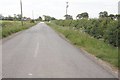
[[56, 8]]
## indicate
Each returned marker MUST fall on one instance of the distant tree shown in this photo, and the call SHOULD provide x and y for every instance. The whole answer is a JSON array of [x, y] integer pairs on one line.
[[16, 17], [52, 18], [112, 16], [79, 16], [40, 18], [85, 15], [47, 18], [103, 14], [68, 17], [82, 15], [117, 16]]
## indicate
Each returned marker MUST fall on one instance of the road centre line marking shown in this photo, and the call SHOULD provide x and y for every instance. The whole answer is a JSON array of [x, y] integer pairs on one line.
[[30, 74], [37, 49]]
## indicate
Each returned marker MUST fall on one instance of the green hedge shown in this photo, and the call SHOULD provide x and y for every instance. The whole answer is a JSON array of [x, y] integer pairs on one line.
[[105, 29]]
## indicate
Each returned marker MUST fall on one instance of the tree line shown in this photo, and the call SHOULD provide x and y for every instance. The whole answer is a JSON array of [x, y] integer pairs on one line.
[[85, 15], [105, 28], [18, 17]]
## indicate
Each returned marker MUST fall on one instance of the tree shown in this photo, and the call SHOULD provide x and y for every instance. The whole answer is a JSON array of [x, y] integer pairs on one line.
[[40, 18], [85, 15], [79, 16], [82, 15], [68, 17], [103, 14], [117, 16], [47, 18], [112, 16], [52, 18]]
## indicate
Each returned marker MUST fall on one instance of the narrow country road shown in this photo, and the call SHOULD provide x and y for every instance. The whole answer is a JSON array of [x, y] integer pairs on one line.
[[40, 52]]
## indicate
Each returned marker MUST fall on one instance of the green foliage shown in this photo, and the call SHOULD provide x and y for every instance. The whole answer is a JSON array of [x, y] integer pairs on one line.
[[32, 21], [48, 18], [103, 14], [10, 27], [39, 19], [105, 28], [68, 17], [52, 18], [83, 15]]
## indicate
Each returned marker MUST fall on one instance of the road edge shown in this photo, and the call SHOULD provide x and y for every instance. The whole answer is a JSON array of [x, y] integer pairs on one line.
[[105, 65]]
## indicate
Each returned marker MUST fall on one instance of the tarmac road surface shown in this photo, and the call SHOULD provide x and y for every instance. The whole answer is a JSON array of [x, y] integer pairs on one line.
[[40, 52]]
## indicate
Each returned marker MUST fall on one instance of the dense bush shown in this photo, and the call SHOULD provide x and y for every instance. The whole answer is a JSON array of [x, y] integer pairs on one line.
[[104, 28]]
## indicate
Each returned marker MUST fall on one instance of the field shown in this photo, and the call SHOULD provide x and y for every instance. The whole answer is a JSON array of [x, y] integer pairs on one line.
[[92, 45], [10, 27]]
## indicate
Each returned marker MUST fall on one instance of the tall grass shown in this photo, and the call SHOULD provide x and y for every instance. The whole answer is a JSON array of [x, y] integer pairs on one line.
[[94, 46], [10, 27]]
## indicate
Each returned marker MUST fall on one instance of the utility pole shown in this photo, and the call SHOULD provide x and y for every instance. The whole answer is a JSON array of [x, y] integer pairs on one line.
[[21, 12], [32, 14], [67, 8]]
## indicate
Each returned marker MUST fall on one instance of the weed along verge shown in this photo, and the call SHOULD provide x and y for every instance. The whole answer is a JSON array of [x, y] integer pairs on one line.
[[10, 27]]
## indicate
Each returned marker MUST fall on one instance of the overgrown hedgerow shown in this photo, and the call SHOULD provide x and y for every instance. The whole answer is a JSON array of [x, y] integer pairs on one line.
[[104, 28]]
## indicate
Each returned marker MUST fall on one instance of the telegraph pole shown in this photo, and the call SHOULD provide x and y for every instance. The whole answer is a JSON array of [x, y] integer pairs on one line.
[[33, 14], [67, 8], [21, 12]]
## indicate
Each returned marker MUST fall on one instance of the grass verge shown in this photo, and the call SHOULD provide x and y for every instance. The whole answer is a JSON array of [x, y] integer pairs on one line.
[[10, 27], [94, 46]]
